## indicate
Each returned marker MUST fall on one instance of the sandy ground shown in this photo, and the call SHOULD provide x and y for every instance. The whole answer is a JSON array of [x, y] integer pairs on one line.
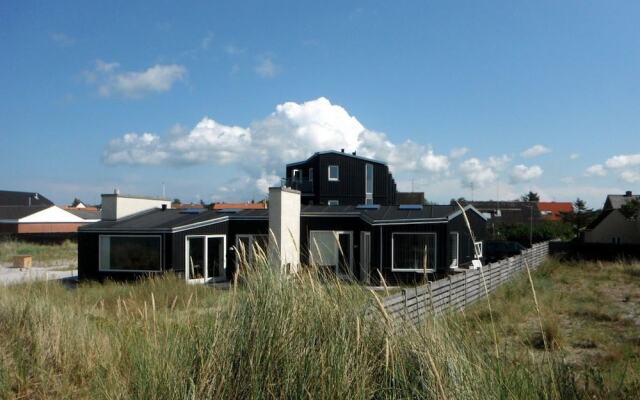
[[12, 276]]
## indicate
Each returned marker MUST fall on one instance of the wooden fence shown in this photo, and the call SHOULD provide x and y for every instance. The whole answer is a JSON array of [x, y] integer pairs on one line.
[[461, 289]]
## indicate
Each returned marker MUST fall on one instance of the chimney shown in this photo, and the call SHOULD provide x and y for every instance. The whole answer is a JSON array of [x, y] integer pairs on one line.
[[284, 229], [116, 206], [353, 154], [629, 193], [342, 150]]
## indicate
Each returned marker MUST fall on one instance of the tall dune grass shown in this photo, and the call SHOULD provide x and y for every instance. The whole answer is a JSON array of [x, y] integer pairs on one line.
[[303, 336]]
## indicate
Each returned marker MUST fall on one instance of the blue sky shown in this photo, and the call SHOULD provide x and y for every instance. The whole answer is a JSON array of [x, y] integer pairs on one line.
[[213, 98]]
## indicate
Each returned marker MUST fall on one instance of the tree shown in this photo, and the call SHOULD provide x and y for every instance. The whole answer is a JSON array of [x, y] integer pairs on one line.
[[631, 209], [580, 218], [176, 201], [531, 196]]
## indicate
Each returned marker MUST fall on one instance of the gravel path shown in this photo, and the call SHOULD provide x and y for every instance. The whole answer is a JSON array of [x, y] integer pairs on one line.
[[12, 276]]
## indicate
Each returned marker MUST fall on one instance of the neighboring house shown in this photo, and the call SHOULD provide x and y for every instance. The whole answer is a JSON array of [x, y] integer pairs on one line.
[[553, 210], [339, 178], [612, 226], [508, 212], [360, 242], [28, 214]]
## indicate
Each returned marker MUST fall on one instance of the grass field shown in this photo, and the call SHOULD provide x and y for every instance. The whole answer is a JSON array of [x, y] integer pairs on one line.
[[305, 337], [42, 253]]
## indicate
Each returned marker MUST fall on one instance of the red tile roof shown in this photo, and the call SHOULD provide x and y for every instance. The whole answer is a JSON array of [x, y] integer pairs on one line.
[[552, 210]]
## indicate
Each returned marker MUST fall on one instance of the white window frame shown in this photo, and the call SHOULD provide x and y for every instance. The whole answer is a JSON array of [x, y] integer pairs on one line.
[[337, 178], [206, 257], [101, 269], [457, 258], [333, 202], [477, 249], [368, 195], [295, 178], [252, 238], [420, 270], [335, 233]]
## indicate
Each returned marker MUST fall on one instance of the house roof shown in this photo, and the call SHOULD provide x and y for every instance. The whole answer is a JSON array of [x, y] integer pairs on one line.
[[242, 206], [553, 210], [511, 212], [88, 213], [615, 201], [14, 213], [333, 152], [12, 198], [172, 220]]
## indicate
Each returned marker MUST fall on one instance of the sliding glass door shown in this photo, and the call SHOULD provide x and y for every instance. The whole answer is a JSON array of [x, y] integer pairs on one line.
[[205, 258], [333, 249]]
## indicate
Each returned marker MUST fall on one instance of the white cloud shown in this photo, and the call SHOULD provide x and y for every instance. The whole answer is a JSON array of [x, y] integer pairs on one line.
[[623, 161], [266, 68], [596, 170], [62, 39], [630, 176], [574, 156], [521, 173], [155, 79], [292, 132], [458, 152], [476, 173], [233, 50], [535, 151]]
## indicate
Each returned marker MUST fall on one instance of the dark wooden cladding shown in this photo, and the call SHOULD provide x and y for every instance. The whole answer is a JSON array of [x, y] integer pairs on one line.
[[351, 186]]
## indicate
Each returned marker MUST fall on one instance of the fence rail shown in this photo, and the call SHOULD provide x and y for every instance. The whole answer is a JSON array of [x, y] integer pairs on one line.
[[461, 289]]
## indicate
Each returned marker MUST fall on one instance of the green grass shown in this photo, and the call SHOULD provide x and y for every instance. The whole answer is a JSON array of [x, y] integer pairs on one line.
[[591, 316], [278, 337], [42, 253]]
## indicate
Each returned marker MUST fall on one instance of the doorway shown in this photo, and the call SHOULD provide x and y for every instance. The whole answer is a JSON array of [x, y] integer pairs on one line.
[[205, 258]]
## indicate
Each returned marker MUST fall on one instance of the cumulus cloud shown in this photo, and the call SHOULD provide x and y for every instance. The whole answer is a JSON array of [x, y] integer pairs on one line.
[[630, 176], [623, 161], [596, 170], [476, 173], [535, 151], [522, 173], [292, 132], [458, 152], [266, 68], [156, 79]]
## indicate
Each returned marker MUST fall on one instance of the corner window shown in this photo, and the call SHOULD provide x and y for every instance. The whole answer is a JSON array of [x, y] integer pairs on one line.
[[295, 175], [310, 174], [334, 173], [333, 203], [413, 252], [369, 179], [130, 253]]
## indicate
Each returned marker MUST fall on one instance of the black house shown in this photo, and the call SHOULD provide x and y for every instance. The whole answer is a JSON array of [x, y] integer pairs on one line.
[[362, 243], [339, 178]]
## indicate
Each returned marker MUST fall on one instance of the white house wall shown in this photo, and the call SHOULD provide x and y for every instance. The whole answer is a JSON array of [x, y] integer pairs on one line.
[[52, 214]]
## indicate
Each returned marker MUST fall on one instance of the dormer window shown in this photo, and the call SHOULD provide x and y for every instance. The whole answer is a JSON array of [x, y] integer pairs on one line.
[[334, 173]]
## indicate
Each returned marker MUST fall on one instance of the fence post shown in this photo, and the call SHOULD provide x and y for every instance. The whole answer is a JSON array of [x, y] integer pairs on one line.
[[449, 303], [406, 311], [465, 289]]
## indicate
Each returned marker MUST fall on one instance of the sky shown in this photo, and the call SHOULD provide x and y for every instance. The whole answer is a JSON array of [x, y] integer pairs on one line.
[[210, 100]]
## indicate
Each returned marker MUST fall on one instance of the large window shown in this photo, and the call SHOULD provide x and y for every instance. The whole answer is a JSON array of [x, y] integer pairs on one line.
[[130, 253], [415, 252], [334, 173], [251, 249], [369, 184]]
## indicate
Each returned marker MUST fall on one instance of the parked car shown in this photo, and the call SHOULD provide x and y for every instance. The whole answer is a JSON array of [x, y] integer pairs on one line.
[[496, 250]]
